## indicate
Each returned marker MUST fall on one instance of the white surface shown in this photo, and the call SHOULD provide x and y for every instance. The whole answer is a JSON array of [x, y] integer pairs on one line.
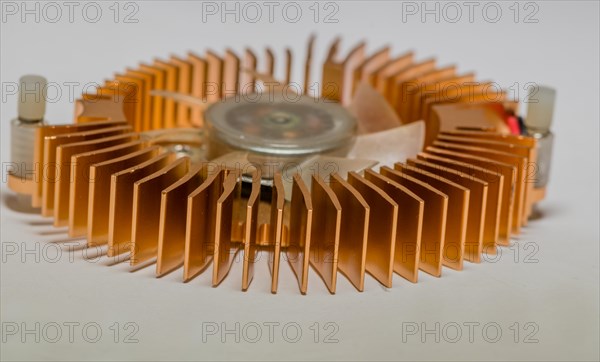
[[559, 293]]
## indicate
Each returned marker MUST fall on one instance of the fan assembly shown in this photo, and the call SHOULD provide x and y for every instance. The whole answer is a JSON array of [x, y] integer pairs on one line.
[[396, 166]]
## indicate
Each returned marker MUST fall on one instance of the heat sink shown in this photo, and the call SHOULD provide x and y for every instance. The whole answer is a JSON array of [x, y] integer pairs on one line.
[[136, 171]]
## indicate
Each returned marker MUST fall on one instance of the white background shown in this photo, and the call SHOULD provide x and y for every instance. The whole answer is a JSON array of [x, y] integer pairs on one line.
[[558, 292]]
